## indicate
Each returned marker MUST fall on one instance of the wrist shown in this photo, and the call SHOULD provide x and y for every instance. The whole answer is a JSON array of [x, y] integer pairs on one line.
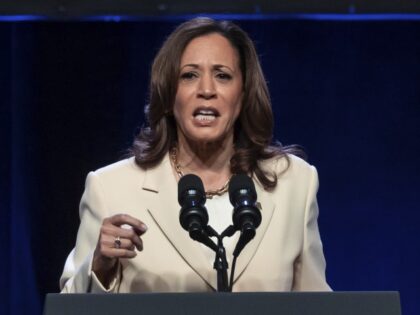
[[105, 269]]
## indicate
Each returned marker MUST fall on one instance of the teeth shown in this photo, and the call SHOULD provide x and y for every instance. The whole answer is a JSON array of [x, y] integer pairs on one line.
[[206, 112], [205, 117]]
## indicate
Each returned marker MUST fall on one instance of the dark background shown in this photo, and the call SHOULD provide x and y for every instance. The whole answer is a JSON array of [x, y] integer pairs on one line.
[[346, 87]]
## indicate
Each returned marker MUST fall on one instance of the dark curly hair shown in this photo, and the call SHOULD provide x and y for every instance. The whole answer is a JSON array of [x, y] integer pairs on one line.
[[254, 127]]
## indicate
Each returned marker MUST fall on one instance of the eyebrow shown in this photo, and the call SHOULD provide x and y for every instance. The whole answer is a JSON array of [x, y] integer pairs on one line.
[[216, 66]]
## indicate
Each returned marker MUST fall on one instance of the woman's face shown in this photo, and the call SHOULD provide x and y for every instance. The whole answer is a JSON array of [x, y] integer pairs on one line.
[[209, 96]]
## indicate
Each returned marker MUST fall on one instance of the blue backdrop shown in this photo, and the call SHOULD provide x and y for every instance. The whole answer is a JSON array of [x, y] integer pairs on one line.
[[72, 96]]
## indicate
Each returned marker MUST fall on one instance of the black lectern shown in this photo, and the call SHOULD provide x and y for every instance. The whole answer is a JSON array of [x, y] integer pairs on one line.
[[259, 303]]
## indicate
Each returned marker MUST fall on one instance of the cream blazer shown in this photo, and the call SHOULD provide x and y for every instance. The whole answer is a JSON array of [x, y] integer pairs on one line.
[[286, 253]]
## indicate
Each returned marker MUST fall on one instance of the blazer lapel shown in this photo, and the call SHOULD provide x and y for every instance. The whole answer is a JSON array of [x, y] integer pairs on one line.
[[267, 208], [164, 208]]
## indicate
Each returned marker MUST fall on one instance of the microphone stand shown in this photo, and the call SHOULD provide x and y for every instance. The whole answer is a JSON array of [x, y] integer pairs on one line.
[[220, 263]]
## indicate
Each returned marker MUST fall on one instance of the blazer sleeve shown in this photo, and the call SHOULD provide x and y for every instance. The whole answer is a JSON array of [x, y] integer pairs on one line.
[[77, 276], [309, 269]]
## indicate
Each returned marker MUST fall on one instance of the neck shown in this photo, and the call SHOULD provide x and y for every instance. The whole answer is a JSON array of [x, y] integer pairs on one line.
[[209, 161]]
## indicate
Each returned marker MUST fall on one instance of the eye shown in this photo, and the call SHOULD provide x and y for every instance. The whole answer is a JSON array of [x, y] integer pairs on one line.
[[188, 75], [224, 76]]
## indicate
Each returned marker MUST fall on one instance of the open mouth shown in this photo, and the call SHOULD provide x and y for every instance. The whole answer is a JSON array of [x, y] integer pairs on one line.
[[206, 114]]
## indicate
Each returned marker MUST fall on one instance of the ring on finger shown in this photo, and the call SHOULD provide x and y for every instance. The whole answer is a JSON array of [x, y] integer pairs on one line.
[[117, 242]]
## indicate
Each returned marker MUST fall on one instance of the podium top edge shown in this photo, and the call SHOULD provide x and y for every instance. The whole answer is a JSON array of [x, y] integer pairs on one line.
[[394, 292]]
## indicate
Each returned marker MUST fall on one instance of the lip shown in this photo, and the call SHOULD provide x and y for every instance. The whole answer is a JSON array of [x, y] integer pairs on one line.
[[206, 109], [200, 119]]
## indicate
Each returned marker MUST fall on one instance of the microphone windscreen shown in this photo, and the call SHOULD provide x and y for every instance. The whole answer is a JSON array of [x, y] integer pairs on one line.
[[241, 182], [189, 182]]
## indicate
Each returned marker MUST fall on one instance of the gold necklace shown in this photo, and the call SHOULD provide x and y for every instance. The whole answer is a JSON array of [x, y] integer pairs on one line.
[[178, 169]]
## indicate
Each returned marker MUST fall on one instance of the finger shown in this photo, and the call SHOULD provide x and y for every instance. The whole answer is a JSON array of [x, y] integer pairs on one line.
[[128, 232], [118, 242], [133, 238], [121, 219], [119, 253], [109, 248], [124, 233]]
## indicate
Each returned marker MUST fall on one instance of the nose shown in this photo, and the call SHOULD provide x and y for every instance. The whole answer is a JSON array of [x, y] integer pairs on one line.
[[206, 88]]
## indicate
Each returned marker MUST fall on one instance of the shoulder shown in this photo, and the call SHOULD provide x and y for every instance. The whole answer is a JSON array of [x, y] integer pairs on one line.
[[292, 172], [287, 165], [297, 180], [123, 166], [119, 172]]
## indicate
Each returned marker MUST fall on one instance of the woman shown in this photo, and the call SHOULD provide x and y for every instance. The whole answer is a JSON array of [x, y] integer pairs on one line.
[[210, 115]]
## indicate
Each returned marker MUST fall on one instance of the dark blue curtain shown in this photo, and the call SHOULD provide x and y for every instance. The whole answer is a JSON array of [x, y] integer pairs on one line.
[[72, 96], [5, 143]]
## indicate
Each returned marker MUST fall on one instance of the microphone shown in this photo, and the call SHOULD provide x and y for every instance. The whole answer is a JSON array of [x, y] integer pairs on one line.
[[193, 215], [246, 216]]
